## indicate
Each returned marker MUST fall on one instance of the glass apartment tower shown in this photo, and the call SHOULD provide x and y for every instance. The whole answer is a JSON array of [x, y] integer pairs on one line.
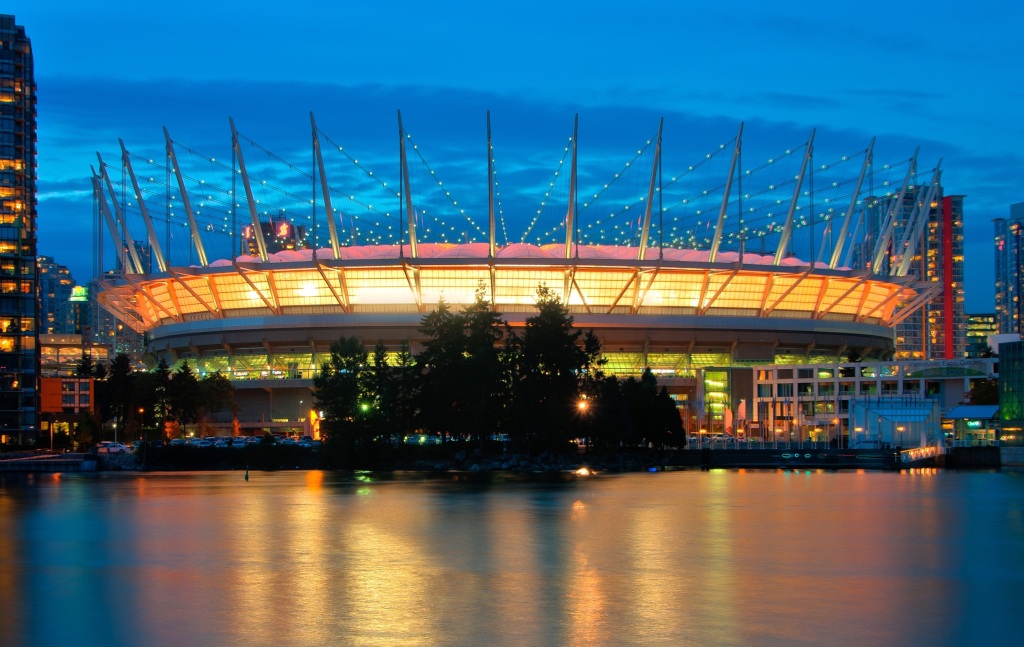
[[1009, 244], [19, 309], [937, 330]]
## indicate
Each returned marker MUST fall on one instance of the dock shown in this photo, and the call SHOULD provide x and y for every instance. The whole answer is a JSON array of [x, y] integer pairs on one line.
[[47, 463]]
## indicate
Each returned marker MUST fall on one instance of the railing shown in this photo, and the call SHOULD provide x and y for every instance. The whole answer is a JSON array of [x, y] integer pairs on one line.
[[755, 443]]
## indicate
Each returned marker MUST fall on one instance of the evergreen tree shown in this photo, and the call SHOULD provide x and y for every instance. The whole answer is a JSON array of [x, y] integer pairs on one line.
[[216, 393], [380, 394], [440, 394], [481, 374], [85, 367], [183, 395], [161, 383], [404, 386], [338, 392], [553, 362]]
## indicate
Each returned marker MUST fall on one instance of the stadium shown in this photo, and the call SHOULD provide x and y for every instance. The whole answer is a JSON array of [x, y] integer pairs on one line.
[[679, 290]]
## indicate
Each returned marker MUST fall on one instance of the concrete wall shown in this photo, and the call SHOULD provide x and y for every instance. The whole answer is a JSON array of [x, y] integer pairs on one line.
[[1011, 456]]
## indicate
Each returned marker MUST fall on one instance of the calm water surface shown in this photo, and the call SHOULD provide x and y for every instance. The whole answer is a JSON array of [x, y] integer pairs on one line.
[[671, 558]]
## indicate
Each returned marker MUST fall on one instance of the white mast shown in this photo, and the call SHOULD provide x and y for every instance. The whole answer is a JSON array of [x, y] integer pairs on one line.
[[787, 229], [570, 216], [154, 242], [196, 239], [406, 189], [331, 226], [126, 235], [645, 232], [257, 227], [717, 240], [837, 251]]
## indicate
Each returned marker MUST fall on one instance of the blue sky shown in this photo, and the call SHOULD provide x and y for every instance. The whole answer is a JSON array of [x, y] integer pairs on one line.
[[943, 76]]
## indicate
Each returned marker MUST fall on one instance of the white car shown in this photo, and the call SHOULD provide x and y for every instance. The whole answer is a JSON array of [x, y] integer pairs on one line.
[[112, 448]]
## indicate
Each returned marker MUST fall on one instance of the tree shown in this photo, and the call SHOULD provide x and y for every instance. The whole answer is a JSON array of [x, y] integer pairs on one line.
[[440, 396], [338, 392], [183, 395], [553, 362], [160, 396], [481, 374], [405, 389], [86, 367], [379, 394], [984, 391], [216, 393], [114, 394]]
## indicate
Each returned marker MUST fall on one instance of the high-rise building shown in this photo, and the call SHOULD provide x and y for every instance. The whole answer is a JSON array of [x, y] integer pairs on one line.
[[1009, 243], [55, 289], [979, 328], [19, 310], [938, 330]]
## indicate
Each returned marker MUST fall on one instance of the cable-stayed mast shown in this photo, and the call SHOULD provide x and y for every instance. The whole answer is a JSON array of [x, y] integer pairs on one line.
[[787, 230], [196, 239], [126, 235], [257, 227], [717, 240], [650, 195], [570, 216], [837, 251], [331, 226], [154, 242]]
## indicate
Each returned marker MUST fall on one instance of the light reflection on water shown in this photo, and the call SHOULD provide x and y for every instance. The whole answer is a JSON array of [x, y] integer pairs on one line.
[[680, 558]]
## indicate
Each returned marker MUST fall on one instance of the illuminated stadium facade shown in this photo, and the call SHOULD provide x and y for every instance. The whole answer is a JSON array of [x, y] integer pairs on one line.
[[267, 318]]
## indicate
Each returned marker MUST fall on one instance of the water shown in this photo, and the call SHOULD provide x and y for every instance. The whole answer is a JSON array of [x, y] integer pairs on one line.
[[672, 558]]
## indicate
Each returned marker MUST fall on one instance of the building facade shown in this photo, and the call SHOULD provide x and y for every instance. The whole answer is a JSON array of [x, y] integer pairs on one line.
[[56, 285], [980, 327], [934, 234], [1011, 392], [863, 404], [1009, 254], [19, 310]]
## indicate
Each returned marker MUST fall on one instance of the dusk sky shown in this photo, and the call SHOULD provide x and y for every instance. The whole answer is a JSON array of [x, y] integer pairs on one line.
[[945, 76]]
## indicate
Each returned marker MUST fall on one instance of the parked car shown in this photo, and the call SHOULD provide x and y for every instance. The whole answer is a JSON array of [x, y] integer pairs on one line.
[[177, 442], [112, 448]]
